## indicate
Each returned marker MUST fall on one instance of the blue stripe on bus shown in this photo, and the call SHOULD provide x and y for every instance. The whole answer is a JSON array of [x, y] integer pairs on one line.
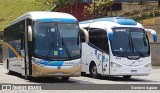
[[50, 63], [126, 21], [110, 35], [57, 20]]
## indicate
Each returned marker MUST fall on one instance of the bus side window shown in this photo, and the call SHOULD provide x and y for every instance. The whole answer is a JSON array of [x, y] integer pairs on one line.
[[98, 37], [82, 36], [21, 32], [22, 41]]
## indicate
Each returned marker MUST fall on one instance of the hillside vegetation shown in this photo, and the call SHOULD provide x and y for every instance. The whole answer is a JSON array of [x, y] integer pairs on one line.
[[11, 9]]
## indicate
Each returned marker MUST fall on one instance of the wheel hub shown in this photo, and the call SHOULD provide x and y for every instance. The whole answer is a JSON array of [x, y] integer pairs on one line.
[[94, 70]]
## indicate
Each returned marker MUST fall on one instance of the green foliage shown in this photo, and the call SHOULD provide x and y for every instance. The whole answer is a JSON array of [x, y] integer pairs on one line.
[[60, 3], [11, 9], [141, 2], [98, 8]]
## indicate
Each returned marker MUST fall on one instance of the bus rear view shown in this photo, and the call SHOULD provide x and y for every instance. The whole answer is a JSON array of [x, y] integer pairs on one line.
[[115, 46]]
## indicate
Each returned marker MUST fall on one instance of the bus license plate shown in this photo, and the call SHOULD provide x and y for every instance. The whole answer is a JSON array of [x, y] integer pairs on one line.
[[58, 73], [134, 71]]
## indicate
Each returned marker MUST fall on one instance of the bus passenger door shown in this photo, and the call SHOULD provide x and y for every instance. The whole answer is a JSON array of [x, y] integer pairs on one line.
[[105, 63], [23, 53], [105, 53]]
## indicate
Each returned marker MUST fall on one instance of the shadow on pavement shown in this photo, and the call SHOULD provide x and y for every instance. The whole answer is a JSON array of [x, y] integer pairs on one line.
[[49, 79], [120, 78]]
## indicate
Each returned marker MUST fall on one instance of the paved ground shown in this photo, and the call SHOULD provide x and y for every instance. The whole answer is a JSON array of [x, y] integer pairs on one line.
[[153, 78]]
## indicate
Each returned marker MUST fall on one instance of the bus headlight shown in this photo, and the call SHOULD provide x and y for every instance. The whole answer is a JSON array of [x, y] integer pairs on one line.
[[148, 65], [115, 65]]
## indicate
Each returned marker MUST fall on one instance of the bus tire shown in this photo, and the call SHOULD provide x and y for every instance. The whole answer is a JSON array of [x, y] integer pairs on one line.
[[93, 71], [83, 73], [65, 78], [9, 72], [27, 77], [127, 77]]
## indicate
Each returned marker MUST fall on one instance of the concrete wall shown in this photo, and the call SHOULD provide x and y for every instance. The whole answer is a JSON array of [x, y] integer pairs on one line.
[[129, 7], [155, 54], [155, 47], [155, 25], [126, 7]]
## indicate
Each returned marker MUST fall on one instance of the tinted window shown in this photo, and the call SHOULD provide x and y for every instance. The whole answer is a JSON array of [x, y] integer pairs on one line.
[[82, 36], [60, 40], [129, 41], [98, 37], [14, 32]]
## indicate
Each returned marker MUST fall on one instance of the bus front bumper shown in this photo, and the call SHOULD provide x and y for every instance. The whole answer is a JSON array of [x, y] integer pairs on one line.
[[55, 71], [130, 71]]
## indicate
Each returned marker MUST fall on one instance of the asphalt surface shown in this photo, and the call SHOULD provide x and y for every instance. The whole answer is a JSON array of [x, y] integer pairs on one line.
[[82, 84]]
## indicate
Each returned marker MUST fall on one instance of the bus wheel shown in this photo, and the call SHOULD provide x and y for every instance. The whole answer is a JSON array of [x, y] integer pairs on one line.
[[83, 73], [65, 78], [9, 72], [93, 71], [126, 77], [27, 77]]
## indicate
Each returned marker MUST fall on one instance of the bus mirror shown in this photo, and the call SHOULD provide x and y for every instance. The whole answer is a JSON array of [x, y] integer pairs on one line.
[[86, 35], [154, 34], [29, 33]]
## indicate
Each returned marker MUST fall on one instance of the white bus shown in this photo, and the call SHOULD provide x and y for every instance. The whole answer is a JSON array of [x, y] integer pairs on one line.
[[43, 44], [115, 46]]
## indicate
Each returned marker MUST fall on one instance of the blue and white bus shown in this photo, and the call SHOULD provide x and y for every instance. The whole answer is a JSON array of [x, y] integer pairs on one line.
[[115, 46], [43, 44]]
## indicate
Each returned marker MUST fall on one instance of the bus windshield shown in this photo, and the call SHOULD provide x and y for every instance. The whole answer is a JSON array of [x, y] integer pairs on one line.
[[56, 41], [130, 42]]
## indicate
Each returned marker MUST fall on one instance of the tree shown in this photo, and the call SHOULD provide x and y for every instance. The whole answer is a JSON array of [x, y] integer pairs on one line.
[[60, 3], [98, 8]]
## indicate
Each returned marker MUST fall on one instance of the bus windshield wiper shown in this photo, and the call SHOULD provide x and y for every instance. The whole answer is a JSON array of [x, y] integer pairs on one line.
[[49, 52], [134, 49], [50, 48], [36, 53], [129, 45], [66, 48]]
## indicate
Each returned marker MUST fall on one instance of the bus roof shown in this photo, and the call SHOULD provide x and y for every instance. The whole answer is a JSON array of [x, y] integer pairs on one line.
[[45, 16], [119, 20], [111, 22]]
